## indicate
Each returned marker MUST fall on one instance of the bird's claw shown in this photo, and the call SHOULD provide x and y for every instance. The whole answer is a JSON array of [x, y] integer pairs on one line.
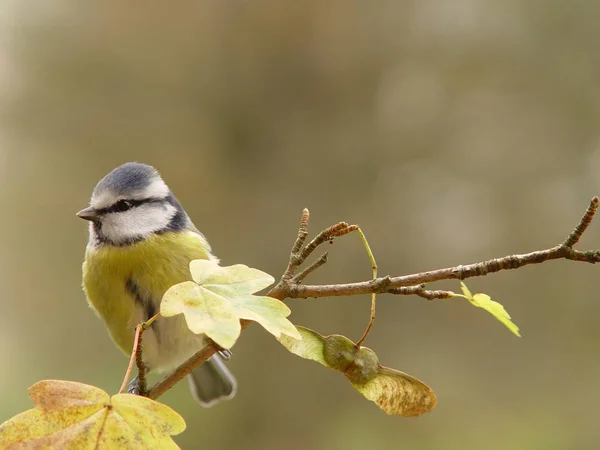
[[225, 354], [134, 386]]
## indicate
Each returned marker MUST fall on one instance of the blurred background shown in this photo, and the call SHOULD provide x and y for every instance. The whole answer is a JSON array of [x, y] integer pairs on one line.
[[451, 132]]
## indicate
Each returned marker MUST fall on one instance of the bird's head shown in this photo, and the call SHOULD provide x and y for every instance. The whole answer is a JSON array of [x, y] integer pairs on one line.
[[131, 203]]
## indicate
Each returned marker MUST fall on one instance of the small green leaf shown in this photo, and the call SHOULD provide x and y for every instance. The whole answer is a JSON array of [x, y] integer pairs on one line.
[[219, 297], [494, 308]]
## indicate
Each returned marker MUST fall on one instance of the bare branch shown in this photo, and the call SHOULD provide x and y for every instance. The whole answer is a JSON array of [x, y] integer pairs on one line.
[[382, 285], [289, 286], [185, 369]]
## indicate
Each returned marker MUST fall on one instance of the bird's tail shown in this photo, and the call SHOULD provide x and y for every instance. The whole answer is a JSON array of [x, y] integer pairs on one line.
[[212, 382]]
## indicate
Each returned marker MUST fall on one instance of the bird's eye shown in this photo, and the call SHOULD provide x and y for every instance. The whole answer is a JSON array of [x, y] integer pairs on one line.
[[123, 205]]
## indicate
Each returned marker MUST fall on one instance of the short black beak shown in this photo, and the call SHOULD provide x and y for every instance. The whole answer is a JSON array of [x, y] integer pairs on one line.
[[88, 214]]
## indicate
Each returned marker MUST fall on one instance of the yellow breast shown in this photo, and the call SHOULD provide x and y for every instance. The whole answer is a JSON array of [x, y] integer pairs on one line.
[[155, 264]]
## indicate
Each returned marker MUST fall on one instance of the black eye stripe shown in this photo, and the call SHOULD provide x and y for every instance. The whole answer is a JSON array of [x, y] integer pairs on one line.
[[126, 204]]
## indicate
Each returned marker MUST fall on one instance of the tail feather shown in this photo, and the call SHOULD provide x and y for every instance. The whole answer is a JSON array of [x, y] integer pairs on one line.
[[212, 382]]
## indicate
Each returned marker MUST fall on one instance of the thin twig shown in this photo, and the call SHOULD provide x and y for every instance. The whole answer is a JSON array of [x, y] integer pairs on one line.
[[137, 357], [302, 231], [142, 370], [583, 224], [337, 230], [137, 347], [308, 270], [186, 368], [344, 231], [295, 255]]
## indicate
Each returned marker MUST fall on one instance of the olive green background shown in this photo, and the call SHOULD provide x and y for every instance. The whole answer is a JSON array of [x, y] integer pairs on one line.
[[452, 132]]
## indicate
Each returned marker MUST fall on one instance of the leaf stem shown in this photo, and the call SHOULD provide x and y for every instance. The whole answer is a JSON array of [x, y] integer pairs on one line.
[[363, 238]]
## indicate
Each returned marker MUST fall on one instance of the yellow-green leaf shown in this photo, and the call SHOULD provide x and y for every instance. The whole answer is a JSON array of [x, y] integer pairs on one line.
[[241, 278], [204, 311], [494, 308], [219, 297], [269, 312], [309, 347], [70, 415]]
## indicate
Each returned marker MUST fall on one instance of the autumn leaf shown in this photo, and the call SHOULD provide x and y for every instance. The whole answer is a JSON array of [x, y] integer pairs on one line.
[[70, 415]]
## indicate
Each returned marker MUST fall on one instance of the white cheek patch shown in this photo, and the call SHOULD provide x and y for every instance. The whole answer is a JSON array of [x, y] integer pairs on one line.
[[138, 222]]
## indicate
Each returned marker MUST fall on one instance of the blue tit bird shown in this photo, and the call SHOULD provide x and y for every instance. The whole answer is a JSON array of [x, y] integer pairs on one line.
[[141, 242]]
